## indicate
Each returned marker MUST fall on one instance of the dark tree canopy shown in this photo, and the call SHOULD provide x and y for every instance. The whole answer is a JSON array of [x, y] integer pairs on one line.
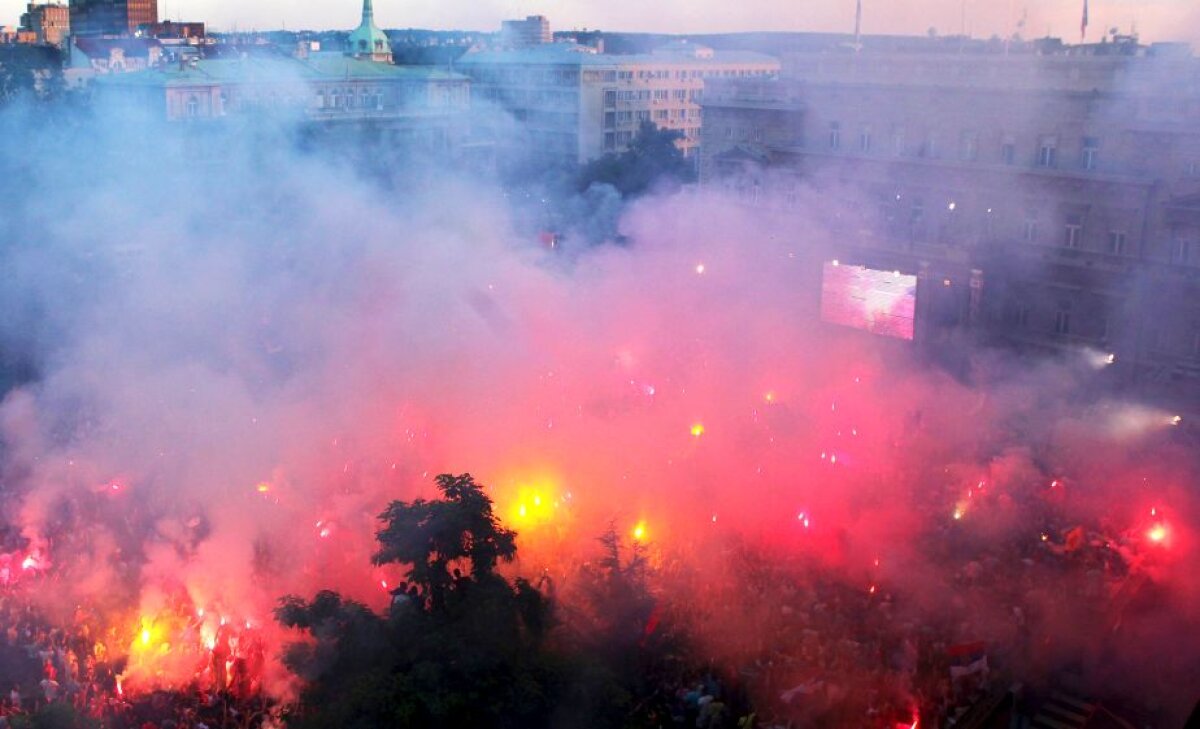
[[431, 537], [652, 160], [462, 646]]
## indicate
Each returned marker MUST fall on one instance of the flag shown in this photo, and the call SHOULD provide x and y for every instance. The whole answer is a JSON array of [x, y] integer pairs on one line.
[[967, 659], [1084, 23]]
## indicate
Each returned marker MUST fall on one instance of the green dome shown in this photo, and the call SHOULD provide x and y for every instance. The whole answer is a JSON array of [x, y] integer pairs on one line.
[[368, 39]]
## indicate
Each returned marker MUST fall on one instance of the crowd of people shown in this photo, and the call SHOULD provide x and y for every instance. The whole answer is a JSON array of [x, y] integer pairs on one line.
[[784, 639], [969, 615], [78, 667]]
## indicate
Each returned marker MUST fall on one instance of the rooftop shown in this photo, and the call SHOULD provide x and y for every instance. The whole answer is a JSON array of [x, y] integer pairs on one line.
[[569, 54], [281, 69]]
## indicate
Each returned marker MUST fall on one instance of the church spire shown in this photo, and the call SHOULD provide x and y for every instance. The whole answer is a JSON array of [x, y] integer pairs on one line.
[[368, 40]]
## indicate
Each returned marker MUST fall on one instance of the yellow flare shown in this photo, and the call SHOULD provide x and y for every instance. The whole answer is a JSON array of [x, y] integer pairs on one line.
[[639, 531]]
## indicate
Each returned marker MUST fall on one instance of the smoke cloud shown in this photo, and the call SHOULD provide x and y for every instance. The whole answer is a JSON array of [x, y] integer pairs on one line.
[[245, 351]]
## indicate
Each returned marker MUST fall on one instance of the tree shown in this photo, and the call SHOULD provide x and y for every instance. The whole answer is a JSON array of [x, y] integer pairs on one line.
[[29, 70], [652, 160], [464, 649], [433, 536]]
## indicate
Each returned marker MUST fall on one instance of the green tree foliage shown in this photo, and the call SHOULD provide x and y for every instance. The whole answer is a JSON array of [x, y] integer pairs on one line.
[[28, 71], [432, 536], [652, 161], [461, 646]]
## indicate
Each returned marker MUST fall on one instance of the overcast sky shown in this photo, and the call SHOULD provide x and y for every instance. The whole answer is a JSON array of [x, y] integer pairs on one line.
[[1155, 19]]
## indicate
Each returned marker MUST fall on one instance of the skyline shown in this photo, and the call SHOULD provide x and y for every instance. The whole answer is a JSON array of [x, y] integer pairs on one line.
[[1155, 20]]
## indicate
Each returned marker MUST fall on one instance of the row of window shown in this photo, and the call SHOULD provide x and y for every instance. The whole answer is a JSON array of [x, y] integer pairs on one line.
[[619, 118], [347, 99], [525, 97], [1065, 323], [677, 74], [615, 140], [968, 147], [658, 96]]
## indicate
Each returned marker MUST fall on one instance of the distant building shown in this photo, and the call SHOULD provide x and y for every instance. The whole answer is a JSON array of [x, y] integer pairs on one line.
[[1050, 202], [170, 30], [418, 106], [111, 17], [50, 23], [570, 104], [368, 41], [94, 56], [10, 35], [534, 30]]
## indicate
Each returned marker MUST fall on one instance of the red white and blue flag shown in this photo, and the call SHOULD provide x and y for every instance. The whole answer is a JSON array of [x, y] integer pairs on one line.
[[967, 659]]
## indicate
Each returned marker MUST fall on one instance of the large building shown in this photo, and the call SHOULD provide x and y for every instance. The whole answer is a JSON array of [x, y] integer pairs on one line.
[[420, 106], [1047, 201], [534, 30], [568, 103], [112, 17], [50, 22]]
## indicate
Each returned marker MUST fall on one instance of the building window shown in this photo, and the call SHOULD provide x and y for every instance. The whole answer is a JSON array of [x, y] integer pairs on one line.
[[1019, 316], [864, 140], [1091, 153], [898, 142], [193, 106], [969, 146], [1116, 242], [1031, 228], [610, 141], [1008, 153], [1048, 152], [916, 219], [1180, 249], [1074, 232], [930, 150], [610, 119], [610, 98], [835, 135], [1062, 322]]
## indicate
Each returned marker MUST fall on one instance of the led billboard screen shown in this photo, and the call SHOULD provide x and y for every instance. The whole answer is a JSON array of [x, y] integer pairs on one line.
[[880, 302]]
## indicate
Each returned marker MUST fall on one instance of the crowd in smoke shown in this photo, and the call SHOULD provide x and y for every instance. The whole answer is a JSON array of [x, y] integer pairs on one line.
[[240, 363]]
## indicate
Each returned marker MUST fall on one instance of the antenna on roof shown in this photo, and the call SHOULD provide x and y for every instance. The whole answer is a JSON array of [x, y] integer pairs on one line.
[[858, 27]]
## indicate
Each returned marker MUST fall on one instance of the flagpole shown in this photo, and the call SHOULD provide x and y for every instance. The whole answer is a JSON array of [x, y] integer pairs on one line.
[[858, 27]]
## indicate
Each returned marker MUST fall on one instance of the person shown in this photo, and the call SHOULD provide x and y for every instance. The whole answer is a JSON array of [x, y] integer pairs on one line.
[[50, 689], [220, 656]]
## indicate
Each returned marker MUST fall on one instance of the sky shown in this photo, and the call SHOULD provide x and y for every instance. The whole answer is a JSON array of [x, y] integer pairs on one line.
[[1156, 20]]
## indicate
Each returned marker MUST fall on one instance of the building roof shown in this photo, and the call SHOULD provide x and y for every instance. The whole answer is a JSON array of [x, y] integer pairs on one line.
[[369, 38], [568, 54], [275, 70], [103, 47]]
